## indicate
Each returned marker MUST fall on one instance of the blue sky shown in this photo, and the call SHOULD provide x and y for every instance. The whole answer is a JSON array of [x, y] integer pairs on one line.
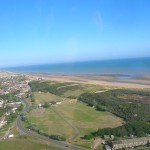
[[53, 31]]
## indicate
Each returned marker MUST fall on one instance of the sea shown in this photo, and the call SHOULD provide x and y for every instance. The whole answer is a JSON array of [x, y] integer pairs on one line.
[[126, 67]]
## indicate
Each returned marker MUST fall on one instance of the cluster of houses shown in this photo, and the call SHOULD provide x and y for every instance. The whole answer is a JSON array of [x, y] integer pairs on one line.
[[13, 106], [11, 83], [130, 143], [127, 144]]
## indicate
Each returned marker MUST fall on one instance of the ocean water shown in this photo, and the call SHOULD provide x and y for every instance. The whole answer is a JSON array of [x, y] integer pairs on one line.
[[136, 66]]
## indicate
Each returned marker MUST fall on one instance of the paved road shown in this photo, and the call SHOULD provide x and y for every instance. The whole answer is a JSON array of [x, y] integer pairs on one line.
[[63, 145]]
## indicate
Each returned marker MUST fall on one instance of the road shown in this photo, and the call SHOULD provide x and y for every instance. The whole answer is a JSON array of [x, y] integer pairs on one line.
[[63, 145]]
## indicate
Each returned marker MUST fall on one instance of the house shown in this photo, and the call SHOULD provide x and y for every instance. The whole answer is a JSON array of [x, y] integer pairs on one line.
[[58, 103], [14, 109], [1, 103], [11, 105], [10, 135], [2, 119], [40, 105], [129, 143]]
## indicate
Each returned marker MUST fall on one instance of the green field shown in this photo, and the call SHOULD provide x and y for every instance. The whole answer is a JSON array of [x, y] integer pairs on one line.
[[79, 89], [68, 90], [25, 143], [85, 118], [71, 117], [62, 119], [41, 97]]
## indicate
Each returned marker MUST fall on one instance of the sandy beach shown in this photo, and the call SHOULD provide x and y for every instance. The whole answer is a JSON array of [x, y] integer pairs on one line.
[[110, 80], [103, 80]]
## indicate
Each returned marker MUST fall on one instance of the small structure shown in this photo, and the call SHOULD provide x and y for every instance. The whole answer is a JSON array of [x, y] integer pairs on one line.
[[40, 105], [2, 121], [58, 103], [10, 135]]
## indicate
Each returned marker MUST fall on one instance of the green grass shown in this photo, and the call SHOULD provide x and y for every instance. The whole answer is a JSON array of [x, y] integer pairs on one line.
[[100, 147], [79, 114], [41, 97], [50, 122], [25, 143], [79, 89], [87, 144], [68, 90], [54, 120], [85, 118]]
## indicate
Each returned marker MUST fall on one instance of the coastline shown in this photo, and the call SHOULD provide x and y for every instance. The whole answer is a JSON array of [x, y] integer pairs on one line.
[[140, 82], [109, 80]]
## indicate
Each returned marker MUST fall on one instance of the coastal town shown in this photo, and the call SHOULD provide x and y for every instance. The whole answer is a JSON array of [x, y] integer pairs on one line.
[[13, 87], [16, 93]]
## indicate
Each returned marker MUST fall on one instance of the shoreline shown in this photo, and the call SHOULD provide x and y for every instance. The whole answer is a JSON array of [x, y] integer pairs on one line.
[[102, 80], [110, 80]]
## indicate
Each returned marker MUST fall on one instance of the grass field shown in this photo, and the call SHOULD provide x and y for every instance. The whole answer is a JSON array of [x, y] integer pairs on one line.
[[71, 117], [25, 143], [77, 90], [41, 97], [78, 114], [50, 122], [85, 118], [68, 90]]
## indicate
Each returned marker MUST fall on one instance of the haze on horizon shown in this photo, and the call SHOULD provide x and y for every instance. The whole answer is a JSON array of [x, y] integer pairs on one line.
[[53, 31]]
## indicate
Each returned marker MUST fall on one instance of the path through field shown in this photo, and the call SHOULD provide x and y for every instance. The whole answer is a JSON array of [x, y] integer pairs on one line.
[[77, 133]]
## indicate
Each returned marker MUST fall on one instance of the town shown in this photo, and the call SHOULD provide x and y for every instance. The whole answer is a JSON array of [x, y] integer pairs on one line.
[[13, 87], [34, 99]]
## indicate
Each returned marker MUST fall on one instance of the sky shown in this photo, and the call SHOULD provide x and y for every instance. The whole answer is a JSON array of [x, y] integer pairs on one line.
[[55, 31]]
